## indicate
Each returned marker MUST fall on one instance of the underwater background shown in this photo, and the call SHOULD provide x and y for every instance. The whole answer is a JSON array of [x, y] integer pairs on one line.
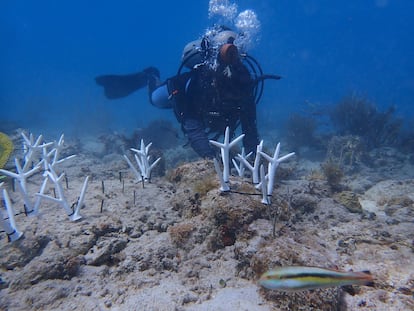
[[176, 236], [324, 50]]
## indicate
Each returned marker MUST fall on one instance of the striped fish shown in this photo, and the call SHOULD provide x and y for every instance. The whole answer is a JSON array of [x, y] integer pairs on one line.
[[297, 278]]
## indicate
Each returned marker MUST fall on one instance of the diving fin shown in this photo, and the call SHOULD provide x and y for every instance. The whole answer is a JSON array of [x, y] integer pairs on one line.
[[118, 86]]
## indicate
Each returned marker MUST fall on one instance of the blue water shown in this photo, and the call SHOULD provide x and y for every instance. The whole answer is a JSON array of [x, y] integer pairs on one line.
[[52, 50]]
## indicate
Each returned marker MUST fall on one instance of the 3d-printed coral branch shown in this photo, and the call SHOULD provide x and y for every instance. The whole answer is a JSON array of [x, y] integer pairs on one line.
[[133, 169], [35, 210], [30, 148], [225, 151], [82, 196], [255, 167], [9, 226], [142, 158], [263, 183], [61, 199], [240, 168], [21, 176], [272, 166], [33, 149], [55, 152], [45, 155], [224, 187]]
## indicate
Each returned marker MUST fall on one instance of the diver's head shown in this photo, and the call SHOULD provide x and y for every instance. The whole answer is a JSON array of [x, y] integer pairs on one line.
[[216, 44], [192, 54], [224, 41], [224, 37]]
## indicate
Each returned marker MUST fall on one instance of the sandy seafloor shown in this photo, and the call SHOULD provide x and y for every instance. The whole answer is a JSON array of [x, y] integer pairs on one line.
[[179, 244]]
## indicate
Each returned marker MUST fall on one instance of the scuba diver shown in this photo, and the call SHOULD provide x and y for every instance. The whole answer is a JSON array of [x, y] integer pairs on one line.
[[220, 88]]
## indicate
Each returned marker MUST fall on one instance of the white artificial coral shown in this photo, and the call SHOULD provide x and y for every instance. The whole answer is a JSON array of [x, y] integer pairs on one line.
[[263, 182], [74, 214], [142, 159], [256, 165], [273, 165], [9, 226], [33, 149], [240, 168], [225, 151]]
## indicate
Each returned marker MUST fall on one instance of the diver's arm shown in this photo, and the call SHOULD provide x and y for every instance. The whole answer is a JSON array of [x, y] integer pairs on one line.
[[197, 137]]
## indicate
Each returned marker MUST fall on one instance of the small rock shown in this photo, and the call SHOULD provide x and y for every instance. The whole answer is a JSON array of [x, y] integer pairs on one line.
[[103, 251], [189, 297], [350, 200]]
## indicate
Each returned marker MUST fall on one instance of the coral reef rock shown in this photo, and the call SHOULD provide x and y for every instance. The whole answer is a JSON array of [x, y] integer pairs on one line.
[[178, 243]]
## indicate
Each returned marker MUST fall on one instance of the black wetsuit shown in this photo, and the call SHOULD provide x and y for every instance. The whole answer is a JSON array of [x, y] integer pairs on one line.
[[206, 101]]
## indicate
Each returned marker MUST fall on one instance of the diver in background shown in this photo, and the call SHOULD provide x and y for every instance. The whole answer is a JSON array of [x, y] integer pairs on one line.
[[217, 91]]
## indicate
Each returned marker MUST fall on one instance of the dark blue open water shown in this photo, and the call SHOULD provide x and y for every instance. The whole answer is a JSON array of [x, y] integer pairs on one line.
[[52, 50]]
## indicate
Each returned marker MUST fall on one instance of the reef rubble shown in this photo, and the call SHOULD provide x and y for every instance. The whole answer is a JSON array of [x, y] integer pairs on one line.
[[178, 243]]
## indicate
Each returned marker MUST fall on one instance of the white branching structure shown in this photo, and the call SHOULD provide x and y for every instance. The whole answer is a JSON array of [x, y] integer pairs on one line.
[[37, 155], [133, 169], [31, 148], [256, 165], [142, 159], [38, 199], [74, 214], [7, 223], [21, 176], [263, 182], [52, 157], [224, 187], [225, 152], [272, 167], [240, 168]]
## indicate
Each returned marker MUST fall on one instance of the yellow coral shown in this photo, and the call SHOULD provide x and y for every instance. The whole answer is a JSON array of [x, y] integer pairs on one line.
[[6, 148]]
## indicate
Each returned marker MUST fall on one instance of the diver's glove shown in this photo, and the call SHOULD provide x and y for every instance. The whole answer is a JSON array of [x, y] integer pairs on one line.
[[152, 72], [118, 86], [153, 78]]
